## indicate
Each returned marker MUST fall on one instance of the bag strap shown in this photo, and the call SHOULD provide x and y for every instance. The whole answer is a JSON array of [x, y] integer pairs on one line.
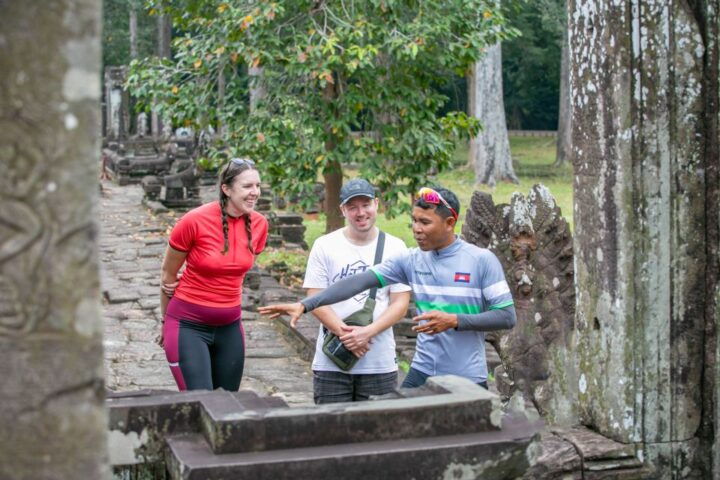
[[378, 257], [379, 248]]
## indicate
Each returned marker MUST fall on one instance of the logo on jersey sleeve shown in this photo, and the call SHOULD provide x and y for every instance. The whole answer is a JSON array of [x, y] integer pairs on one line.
[[462, 277]]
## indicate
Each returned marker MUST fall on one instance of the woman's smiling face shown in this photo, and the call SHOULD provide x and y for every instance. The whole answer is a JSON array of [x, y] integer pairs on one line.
[[243, 193]]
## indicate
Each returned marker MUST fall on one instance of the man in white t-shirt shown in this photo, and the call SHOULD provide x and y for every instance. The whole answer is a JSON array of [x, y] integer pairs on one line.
[[340, 254]]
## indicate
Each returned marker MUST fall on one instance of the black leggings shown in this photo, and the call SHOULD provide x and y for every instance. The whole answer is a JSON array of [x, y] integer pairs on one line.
[[203, 356], [211, 357]]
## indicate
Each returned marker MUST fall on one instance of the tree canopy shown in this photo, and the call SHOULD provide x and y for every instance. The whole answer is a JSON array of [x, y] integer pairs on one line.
[[116, 32], [344, 82]]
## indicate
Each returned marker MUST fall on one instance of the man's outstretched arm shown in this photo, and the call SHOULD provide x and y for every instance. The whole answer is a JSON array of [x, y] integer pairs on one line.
[[336, 292]]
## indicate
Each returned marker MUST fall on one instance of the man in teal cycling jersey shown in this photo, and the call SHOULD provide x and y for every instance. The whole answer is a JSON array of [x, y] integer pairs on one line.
[[460, 293]]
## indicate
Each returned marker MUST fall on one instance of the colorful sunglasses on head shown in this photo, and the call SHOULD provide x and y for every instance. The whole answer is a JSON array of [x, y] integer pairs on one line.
[[431, 196], [243, 161]]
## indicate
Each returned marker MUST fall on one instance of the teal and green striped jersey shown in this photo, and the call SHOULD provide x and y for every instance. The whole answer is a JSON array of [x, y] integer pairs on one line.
[[460, 278]]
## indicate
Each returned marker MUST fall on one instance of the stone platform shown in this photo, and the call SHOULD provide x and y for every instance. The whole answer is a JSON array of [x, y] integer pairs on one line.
[[449, 429]]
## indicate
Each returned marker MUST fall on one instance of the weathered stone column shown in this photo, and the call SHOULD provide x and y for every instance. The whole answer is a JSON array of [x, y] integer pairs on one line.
[[642, 153], [117, 99], [52, 416]]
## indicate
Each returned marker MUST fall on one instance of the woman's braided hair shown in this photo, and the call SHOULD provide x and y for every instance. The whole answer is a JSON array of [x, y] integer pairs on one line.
[[227, 176]]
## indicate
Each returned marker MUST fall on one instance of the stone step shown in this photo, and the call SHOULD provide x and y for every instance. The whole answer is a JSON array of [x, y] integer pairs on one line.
[[492, 454], [131, 411], [456, 406]]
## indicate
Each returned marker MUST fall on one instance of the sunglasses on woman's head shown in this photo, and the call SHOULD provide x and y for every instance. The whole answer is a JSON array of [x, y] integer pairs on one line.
[[242, 161], [431, 196]]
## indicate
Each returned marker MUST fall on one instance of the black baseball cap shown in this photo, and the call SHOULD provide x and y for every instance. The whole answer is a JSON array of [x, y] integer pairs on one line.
[[355, 188]]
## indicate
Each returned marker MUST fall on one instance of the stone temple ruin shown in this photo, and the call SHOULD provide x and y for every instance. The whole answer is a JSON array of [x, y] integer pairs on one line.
[[163, 164], [632, 375]]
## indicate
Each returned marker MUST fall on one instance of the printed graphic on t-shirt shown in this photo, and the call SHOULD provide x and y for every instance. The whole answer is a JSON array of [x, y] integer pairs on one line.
[[350, 269]]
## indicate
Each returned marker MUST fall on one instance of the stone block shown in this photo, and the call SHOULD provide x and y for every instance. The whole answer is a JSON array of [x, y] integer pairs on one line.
[[499, 454], [553, 457], [121, 295], [149, 303], [155, 206], [274, 240], [593, 446], [288, 219], [459, 407], [276, 295], [291, 233], [154, 251]]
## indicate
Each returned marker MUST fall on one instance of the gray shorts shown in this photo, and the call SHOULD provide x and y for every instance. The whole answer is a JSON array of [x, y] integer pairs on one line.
[[333, 387]]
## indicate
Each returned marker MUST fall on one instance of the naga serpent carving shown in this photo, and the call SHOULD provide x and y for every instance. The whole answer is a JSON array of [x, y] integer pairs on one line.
[[534, 244]]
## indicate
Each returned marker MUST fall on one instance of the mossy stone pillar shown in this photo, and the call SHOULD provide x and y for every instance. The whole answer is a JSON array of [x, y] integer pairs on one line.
[[52, 415], [643, 140]]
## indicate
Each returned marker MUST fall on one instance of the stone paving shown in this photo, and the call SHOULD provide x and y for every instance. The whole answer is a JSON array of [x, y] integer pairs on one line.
[[132, 243]]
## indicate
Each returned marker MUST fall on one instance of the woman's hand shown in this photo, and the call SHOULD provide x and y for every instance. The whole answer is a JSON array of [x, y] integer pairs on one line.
[[169, 288], [294, 310], [160, 339]]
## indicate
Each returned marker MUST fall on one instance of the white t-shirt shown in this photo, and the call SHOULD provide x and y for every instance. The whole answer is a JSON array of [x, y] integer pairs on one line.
[[333, 258]]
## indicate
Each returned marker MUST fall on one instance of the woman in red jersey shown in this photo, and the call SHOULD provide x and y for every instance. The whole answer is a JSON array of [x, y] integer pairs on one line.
[[202, 333]]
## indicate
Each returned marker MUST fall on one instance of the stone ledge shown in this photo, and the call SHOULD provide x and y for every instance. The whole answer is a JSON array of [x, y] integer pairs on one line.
[[497, 454], [451, 405]]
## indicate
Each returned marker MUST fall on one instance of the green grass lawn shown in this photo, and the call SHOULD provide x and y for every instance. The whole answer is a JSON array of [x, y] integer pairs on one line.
[[533, 159]]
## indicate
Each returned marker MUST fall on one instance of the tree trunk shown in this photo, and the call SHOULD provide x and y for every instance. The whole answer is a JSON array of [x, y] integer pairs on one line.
[[133, 30], [140, 118], [164, 32], [333, 176], [222, 128], [257, 89], [564, 131], [490, 150], [645, 137], [53, 418], [164, 26]]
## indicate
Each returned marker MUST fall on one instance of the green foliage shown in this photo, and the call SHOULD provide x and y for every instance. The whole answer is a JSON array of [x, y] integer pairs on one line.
[[345, 81], [116, 32], [533, 159], [531, 65], [294, 260]]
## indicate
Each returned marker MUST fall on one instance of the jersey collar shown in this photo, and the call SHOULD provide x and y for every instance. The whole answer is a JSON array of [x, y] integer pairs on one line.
[[449, 250]]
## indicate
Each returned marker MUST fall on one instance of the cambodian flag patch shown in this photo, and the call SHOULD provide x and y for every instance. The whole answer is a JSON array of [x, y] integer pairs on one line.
[[462, 277]]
